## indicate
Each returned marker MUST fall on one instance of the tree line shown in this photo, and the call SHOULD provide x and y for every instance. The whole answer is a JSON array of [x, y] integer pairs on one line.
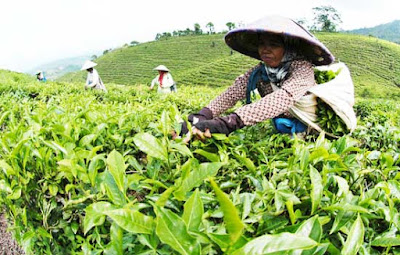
[[197, 30], [325, 19]]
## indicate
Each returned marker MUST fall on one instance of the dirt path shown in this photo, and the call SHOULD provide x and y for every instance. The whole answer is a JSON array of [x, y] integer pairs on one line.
[[8, 246]]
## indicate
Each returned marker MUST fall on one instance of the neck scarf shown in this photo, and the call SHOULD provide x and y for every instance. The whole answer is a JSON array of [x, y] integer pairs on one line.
[[160, 79], [279, 73]]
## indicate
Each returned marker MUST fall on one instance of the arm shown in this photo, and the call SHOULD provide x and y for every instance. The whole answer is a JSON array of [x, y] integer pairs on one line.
[[232, 95], [278, 102], [153, 82]]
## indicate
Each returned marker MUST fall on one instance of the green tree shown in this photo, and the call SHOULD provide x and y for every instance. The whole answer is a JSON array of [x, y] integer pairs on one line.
[[134, 43], [197, 29], [93, 57], [166, 35], [210, 27], [326, 18], [107, 51], [188, 32], [230, 25]]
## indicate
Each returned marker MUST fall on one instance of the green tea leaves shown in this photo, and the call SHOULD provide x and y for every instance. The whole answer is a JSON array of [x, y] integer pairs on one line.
[[151, 145]]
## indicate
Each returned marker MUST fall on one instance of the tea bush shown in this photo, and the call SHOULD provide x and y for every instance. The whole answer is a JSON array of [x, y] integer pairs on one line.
[[82, 172]]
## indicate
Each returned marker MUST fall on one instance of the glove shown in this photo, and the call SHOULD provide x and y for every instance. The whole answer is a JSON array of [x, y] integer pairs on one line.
[[204, 114], [223, 125]]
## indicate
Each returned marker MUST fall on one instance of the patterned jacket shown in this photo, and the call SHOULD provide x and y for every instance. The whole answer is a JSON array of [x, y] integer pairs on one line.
[[273, 103]]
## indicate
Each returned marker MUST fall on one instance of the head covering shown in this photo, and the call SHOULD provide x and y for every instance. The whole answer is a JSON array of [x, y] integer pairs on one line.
[[40, 75], [161, 68], [246, 40], [88, 64]]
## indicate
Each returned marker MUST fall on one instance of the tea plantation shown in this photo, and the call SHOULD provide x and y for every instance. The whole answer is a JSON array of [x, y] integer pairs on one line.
[[82, 172]]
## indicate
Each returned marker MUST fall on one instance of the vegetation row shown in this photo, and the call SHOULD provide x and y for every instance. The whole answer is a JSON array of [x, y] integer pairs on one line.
[[82, 172]]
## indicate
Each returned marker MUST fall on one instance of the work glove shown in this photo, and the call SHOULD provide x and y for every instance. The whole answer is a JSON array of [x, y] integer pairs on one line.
[[223, 125], [204, 114]]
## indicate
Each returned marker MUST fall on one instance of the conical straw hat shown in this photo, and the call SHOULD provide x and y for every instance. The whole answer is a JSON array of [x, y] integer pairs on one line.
[[88, 64], [161, 68], [245, 40]]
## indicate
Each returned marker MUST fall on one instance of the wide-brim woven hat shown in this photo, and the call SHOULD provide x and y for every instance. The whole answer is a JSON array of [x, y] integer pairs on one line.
[[246, 40], [88, 64], [161, 68]]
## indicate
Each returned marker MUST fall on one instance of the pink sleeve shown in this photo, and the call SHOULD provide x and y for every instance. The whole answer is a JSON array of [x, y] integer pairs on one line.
[[232, 95]]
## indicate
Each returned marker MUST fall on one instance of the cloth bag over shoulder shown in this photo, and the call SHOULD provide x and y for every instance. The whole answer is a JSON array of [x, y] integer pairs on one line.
[[337, 93]]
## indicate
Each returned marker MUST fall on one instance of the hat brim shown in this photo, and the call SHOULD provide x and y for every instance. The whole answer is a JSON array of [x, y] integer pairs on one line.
[[89, 65], [246, 41], [161, 68]]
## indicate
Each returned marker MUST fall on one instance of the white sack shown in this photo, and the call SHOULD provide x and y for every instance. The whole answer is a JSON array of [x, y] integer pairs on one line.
[[337, 93]]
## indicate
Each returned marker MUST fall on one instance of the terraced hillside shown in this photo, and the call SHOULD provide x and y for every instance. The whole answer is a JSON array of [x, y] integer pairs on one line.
[[373, 62], [206, 60], [187, 57]]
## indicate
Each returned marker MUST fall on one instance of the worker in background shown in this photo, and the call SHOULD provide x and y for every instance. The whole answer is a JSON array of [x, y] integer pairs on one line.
[[93, 79], [40, 76], [163, 80]]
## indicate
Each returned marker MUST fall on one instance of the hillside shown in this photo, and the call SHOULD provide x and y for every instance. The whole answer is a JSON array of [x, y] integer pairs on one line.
[[206, 60], [374, 63], [389, 31]]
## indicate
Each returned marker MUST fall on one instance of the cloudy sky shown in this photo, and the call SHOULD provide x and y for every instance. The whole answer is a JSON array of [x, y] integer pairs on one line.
[[40, 31]]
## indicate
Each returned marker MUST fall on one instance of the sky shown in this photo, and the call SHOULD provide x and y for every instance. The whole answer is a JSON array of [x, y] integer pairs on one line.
[[41, 31]]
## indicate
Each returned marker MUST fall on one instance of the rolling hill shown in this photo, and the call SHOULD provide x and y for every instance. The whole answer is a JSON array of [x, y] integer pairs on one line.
[[206, 60], [389, 31]]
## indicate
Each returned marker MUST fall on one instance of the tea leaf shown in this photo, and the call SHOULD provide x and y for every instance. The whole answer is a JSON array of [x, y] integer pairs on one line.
[[171, 230], [151, 146]]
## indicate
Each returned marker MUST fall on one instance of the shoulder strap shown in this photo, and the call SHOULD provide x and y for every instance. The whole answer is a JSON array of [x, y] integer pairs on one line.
[[258, 74]]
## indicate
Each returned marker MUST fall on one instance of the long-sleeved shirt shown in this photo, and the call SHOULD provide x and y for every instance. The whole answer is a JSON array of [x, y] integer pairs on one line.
[[167, 83], [94, 81], [273, 103]]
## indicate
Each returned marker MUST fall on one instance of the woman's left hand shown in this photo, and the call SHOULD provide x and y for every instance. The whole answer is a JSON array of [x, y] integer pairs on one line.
[[223, 125]]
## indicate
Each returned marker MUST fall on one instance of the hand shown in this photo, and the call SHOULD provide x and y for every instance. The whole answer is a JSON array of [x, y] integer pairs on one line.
[[204, 114], [224, 125], [198, 134]]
